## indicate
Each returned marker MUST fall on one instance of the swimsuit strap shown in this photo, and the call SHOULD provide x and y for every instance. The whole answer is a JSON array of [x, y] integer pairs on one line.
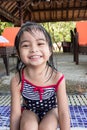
[[59, 81], [22, 85]]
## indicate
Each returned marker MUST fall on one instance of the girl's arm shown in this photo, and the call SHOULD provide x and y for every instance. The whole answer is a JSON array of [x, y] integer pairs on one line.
[[15, 105], [63, 108]]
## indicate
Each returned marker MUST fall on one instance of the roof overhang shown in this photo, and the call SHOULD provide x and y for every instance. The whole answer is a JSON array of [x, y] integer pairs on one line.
[[19, 11]]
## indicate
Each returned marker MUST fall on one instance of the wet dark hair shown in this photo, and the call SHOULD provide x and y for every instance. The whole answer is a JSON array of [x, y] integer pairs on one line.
[[29, 27]]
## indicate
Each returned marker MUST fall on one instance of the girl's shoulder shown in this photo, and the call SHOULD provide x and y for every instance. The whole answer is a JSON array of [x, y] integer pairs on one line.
[[58, 75], [15, 78], [59, 80], [15, 81]]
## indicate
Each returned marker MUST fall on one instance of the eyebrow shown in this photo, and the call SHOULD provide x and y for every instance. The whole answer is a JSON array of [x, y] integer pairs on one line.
[[29, 41], [24, 41], [40, 39]]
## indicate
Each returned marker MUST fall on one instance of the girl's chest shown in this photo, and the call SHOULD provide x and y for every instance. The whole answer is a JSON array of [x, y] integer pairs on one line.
[[36, 93]]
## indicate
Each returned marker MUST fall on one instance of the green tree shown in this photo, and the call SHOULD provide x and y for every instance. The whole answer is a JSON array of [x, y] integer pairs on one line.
[[59, 31], [3, 25]]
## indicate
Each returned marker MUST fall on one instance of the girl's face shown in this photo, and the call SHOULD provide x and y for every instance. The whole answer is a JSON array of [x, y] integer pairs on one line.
[[34, 49]]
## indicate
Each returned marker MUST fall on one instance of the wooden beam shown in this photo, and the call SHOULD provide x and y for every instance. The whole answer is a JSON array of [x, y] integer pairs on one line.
[[20, 12], [79, 9], [8, 16], [11, 0], [59, 9]]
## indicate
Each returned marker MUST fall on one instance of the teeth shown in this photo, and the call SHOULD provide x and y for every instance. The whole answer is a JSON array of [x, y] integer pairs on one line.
[[35, 57]]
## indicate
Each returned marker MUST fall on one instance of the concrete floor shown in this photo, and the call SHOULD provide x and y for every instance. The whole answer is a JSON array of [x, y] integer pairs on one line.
[[75, 75]]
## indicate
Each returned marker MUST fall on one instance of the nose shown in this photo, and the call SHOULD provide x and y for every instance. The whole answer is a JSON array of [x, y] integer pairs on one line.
[[33, 48]]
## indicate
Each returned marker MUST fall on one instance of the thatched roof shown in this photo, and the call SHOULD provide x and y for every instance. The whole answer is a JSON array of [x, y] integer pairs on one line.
[[19, 11]]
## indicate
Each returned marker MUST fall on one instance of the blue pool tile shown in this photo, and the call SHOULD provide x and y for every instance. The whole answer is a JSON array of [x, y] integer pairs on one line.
[[78, 115]]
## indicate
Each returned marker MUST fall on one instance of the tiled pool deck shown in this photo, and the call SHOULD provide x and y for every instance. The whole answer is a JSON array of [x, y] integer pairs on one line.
[[77, 107]]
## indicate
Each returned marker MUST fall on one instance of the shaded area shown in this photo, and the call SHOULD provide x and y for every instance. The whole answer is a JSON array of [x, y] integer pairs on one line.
[[19, 11]]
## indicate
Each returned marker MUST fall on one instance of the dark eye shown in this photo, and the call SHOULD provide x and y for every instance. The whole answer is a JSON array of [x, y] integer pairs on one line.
[[41, 44], [25, 45]]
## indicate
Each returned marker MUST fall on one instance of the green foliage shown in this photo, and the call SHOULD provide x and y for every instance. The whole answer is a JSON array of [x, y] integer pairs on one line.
[[59, 31], [4, 25]]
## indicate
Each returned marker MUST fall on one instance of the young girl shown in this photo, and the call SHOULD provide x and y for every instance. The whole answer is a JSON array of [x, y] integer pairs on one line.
[[38, 92]]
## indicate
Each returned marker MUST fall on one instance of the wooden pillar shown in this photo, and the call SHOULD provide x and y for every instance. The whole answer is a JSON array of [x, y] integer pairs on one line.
[[76, 49], [6, 63], [74, 44]]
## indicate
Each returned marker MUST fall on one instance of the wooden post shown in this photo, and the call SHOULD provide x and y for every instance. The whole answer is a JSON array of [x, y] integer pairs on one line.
[[76, 49]]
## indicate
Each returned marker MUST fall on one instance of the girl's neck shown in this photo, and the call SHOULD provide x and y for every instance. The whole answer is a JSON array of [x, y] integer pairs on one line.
[[36, 73]]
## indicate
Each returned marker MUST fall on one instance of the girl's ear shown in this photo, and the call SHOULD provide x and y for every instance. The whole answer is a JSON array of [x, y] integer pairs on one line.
[[50, 51], [17, 54]]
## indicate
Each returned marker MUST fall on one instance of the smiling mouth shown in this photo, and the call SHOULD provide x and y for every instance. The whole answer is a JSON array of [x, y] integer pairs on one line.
[[35, 57]]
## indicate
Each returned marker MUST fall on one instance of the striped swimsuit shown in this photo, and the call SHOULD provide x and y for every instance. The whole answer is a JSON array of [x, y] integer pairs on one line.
[[39, 99]]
